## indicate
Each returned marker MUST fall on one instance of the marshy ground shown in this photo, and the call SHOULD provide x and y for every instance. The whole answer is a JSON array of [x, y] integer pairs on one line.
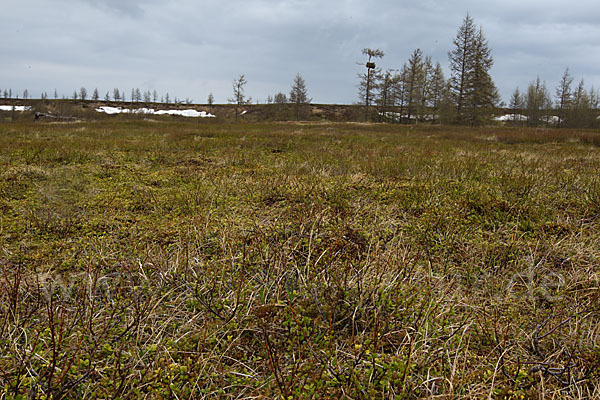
[[181, 260]]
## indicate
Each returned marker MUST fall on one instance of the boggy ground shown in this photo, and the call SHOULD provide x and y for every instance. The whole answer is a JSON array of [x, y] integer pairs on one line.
[[184, 260]]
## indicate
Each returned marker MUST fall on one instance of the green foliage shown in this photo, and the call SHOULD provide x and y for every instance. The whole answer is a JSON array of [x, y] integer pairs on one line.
[[473, 90]]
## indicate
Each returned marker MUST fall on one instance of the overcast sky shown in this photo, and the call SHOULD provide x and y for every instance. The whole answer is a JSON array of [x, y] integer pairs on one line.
[[191, 48]]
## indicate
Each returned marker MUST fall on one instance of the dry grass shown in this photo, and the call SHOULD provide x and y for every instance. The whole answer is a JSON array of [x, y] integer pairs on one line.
[[177, 260]]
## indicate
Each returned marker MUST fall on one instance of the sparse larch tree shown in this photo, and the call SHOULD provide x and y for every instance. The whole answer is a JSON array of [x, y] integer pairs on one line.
[[537, 102], [83, 93], [299, 94], [563, 96], [438, 90], [580, 113], [239, 96], [516, 105], [210, 100], [387, 96], [116, 94], [415, 83], [280, 98], [471, 85], [400, 91], [95, 95], [460, 62], [482, 94], [367, 80], [594, 98]]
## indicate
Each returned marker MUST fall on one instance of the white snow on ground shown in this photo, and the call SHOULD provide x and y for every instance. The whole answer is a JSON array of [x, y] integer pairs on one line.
[[111, 110], [396, 115], [151, 111], [511, 117], [551, 119], [186, 113], [17, 108]]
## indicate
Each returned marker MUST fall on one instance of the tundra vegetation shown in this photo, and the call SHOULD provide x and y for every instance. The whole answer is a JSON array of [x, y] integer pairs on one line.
[[172, 259]]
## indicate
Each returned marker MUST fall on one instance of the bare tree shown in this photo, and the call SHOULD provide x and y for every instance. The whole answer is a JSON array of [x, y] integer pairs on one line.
[[211, 99], [387, 99], [366, 83], [116, 94], [83, 93], [95, 95], [239, 97]]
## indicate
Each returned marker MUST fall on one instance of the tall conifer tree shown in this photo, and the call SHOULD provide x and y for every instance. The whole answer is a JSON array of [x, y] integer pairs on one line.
[[472, 88]]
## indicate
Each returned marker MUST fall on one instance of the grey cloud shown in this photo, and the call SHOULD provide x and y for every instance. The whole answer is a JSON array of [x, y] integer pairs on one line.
[[192, 47], [131, 8]]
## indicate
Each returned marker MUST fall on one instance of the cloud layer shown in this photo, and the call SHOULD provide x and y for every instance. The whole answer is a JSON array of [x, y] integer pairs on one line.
[[191, 48]]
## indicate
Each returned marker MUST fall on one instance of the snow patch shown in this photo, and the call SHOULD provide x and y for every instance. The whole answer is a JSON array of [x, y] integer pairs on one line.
[[511, 117], [186, 113], [151, 111], [550, 119], [16, 108]]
